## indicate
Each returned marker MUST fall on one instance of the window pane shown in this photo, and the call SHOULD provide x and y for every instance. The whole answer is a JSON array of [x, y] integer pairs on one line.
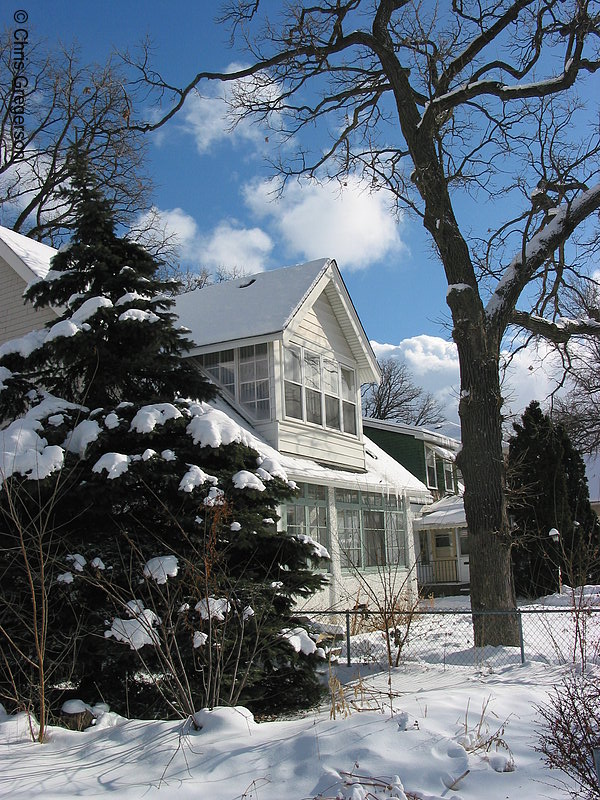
[[348, 391], [263, 409], [247, 371], [316, 492], [247, 393], [247, 353], [374, 538], [262, 390], [349, 537], [313, 407], [464, 544], [332, 412], [346, 496], [349, 417], [293, 365], [312, 370], [330, 377], [396, 539], [293, 400]]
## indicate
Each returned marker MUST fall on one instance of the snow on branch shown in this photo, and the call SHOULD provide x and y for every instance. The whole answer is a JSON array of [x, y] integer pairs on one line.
[[539, 248]]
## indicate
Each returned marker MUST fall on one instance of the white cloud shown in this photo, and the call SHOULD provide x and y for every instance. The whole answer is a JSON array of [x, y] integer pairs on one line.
[[314, 220], [433, 361], [227, 245], [208, 116]]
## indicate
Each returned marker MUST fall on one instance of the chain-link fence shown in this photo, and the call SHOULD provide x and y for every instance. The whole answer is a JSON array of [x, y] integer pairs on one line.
[[446, 637]]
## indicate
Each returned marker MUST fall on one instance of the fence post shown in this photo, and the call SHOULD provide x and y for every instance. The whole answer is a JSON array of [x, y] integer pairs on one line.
[[521, 641], [348, 636]]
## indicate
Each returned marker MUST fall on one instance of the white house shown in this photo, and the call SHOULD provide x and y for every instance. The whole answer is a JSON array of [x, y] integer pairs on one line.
[[288, 352]]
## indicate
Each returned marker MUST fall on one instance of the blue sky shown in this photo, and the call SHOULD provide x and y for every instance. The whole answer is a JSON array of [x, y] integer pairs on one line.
[[211, 191]]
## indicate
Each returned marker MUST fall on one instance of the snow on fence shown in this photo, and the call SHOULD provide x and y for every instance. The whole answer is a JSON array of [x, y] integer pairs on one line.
[[445, 637]]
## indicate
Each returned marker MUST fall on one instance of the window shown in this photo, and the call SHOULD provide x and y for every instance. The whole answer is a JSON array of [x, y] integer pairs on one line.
[[307, 514], [319, 390], [449, 476], [371, 529], [464, 543], [244, 374], [442, 541], [430, 467]]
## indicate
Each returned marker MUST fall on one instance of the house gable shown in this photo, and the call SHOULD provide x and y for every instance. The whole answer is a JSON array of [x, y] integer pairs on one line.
[[22, 261]]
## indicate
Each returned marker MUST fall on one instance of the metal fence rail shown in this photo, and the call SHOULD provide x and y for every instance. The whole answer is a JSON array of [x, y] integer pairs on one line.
[[445, 637]]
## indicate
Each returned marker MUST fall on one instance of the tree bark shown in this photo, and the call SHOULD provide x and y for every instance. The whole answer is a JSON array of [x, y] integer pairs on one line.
[[482, 464]]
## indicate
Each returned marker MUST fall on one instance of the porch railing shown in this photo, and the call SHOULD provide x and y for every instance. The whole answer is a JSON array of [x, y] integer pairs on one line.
[[443, 570]]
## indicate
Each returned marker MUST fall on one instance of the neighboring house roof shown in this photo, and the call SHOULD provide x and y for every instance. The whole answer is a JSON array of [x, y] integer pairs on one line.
[[270, 305], [29, 259], [446, 446], [449, 512]]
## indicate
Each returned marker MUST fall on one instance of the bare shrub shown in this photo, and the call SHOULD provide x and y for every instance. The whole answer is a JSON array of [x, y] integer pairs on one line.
[[572, 731]]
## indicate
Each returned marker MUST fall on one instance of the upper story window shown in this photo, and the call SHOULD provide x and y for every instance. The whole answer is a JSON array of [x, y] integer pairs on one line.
[[449, 477], [319, 390], [244, 374], [430, 468]]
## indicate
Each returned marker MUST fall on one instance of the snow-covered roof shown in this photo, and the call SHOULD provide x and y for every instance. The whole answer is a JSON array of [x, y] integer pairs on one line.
[[271, 305], [447, 445], [449, 512], [383, 474], [256, 305], [30, 259]]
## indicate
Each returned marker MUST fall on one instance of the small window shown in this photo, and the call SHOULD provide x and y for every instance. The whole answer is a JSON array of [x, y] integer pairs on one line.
[[442, 541], [430, 466], [449, 477]]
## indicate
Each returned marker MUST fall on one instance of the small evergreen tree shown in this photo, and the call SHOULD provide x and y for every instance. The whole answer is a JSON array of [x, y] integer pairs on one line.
[[549, 490], [167, 569]]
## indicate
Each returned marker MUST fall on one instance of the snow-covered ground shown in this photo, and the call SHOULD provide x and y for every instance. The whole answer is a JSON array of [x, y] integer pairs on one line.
[[462, 734]]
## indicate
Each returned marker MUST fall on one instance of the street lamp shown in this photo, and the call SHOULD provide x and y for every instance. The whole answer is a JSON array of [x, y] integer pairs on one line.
[[555, 536]]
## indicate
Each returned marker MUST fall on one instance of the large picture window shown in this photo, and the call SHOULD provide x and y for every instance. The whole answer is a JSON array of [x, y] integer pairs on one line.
[[371, 529], [244, 374], [318, 390]]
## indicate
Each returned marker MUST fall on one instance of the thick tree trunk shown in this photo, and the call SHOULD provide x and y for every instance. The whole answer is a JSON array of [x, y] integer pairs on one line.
[[482, 464]]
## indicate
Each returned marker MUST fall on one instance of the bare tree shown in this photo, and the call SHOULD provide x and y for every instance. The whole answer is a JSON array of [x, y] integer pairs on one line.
[[473, 116], [397, 397], [51, 102]]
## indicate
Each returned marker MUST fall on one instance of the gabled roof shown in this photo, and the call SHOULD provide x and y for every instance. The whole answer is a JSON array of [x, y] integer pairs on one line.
[[29, 259], [269, 305]]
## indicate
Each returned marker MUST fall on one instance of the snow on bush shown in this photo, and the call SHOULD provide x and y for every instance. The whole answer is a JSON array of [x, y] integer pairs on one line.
[[115, 465], [213, 608], [247, 480], [299, 640], [316, 547], [137, 631], [77, 560], [148, 417], [195, 477], [89, 307], [97, 563], [65, 577], [210, 427], [215, 497], [111, 421], [160, 568], [137, 315], [81, 436], [200, 639]]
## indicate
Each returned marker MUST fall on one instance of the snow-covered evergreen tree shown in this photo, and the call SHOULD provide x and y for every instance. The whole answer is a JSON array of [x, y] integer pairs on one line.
[[549, 490], [167, 574]]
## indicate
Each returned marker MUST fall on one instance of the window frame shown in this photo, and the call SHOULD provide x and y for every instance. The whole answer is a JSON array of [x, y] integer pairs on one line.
[[390, 540], [430, 454], [337, 408], [238, 362]]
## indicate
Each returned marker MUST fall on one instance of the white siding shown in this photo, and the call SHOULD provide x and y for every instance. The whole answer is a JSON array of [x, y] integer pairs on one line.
[[322, 445], [17, 318], [320, 326]]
